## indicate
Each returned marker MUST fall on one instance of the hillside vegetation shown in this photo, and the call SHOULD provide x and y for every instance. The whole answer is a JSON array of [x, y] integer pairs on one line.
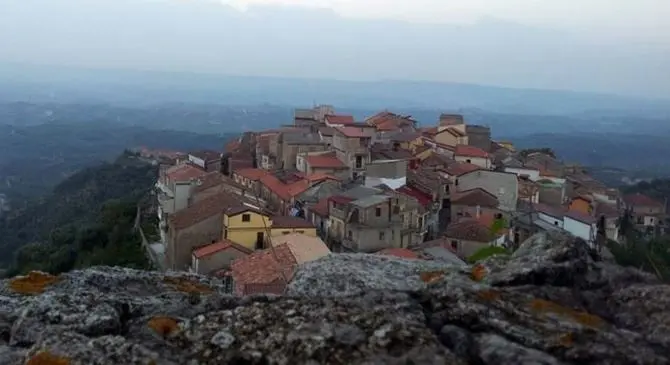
[[87, 220]]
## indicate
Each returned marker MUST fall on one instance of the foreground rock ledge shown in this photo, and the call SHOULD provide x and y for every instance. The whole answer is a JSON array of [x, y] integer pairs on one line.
[[552, 302]]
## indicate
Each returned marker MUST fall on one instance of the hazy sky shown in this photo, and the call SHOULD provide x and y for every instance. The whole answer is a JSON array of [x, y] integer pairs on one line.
[[618, 46]]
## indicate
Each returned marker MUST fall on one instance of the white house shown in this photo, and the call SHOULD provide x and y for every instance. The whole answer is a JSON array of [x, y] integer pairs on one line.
[[581, 225]]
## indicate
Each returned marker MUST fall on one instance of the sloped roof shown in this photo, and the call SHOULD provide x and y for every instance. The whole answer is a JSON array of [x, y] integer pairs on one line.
[[470, 230], [475, 197], [579, 216], [640, 200], [420, 196], [340, 119], [263, 268], [303, 247], [470, 151], [218, 247], [325, 161], [461, 168], [203, 209], [251, 173], [353, 132], [184, 172]]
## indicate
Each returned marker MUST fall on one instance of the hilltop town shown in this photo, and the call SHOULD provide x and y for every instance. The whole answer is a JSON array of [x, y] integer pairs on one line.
[[328, 184]]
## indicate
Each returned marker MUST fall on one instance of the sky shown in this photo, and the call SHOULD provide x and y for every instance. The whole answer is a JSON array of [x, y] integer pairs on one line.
[[610, 46]]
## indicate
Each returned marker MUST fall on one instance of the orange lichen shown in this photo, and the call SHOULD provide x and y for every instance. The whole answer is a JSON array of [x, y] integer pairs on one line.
[[566, 340], [47, 358], [583, 318], [33, 283], [478, 272], [431, 276], [187, 286], [164, 326], [489, 295]]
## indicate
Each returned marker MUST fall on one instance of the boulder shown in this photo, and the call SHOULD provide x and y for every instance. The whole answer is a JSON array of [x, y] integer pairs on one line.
[[553, 301]]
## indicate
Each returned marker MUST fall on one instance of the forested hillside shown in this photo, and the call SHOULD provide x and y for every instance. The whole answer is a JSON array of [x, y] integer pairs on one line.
[[86, 220]]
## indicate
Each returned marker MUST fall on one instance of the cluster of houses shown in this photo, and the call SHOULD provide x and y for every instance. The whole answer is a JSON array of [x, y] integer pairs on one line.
[[328, 184]]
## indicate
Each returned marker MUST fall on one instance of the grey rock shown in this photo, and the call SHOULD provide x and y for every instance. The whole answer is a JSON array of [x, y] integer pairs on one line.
[[554, 301]]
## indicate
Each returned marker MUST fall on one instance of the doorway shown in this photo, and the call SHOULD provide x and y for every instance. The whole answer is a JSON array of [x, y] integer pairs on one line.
[[260, 240]]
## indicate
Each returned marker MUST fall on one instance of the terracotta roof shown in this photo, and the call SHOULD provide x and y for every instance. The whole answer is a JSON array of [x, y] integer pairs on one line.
[[340, 119], [184, 172], [556, 212], [218, 247], [470, 230], [303, 247], [581, 217], [461, 168], [340, 199], [319, 177], [251, 173], [284, 191], [352, 132], [640, 200], [399, 252], [321, 207], [474, 197], [420, 196], [262, 270], [202, 210], [280, 221], [470, 151], [325, 161]]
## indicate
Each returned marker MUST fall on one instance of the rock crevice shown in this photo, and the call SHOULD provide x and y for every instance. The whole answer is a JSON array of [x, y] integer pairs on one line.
[[552, 302]]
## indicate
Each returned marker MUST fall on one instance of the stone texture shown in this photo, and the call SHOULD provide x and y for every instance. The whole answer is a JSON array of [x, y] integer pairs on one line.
[[551, 302]]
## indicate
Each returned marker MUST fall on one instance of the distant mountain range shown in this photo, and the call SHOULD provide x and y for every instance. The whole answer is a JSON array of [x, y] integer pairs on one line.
[[67, 84]]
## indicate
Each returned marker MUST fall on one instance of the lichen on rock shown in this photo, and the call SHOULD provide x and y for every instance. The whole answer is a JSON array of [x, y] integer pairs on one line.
[[551, 302]]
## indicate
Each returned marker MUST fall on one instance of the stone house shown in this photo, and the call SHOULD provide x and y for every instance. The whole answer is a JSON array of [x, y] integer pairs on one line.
[[473, 155], [209, 259], [249, 178], [352, 146], [198, 225], [472, 203], [502, 185], [293, 143], [479, 136], [322, 163], [469, 236]]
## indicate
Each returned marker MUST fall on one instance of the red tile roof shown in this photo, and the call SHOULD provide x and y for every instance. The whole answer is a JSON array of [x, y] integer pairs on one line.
[[184, 172], [340, 199], [271, 268], [280, 222], [340, 119], [420, 196], [399, 252], [218, 247], [470, 151], [640, 200], [321, 207], [251, 173], [352, 132], [325, 161], [284, 191], [319, 177]]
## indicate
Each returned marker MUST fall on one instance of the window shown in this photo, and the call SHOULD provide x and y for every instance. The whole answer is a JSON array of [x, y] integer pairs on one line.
[[420, 222], [555, 223], [246, 217], [381, 236], [468, 161], [359, 162], [446, 188], [378, 212], [454, 244], [456, 182], [300, 231], [350, 235]]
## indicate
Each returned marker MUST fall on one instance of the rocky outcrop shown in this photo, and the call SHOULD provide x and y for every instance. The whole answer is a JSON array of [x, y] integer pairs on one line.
[[552, 302]]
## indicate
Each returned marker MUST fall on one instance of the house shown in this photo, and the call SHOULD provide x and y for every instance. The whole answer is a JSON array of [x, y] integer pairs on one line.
[[269, 271], [473, 155], [305, 248], [174, 187], [369, 223], [581, 225], [472, 203], [197, 225], [249, 178], [281, 195], [312, 118], [550, 214], [207, 160], [479, 136], [422, 152], [333, 120], [318, 215], [211, 184], [380, 151], [352, 146], [532, 173], [439, 249], [469, 236], [211, 258], [390, 122], [237, 161], [611, 215], [392, 173], [246, 226], [582, 203], [322, 163], [646, 211], [267, 147], [293, 143], [450, 136], [503, 185], [285, 225], [326, 134], [440, 148]]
